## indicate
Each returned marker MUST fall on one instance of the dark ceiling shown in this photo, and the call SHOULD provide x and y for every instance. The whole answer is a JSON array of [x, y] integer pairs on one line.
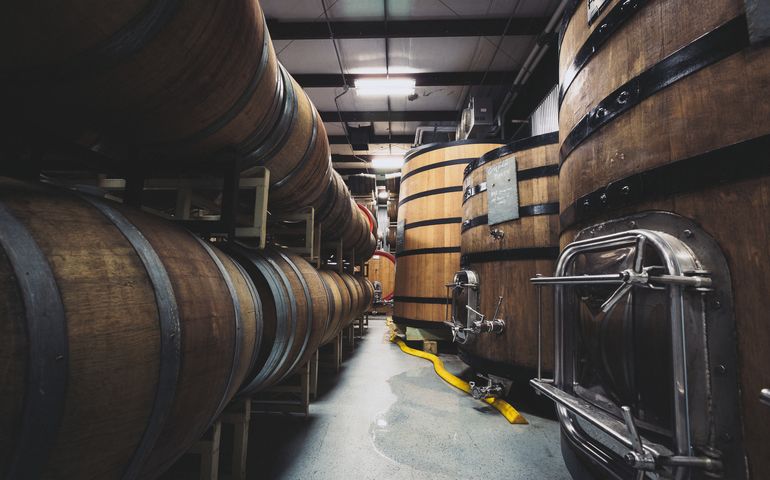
[[454, 49]]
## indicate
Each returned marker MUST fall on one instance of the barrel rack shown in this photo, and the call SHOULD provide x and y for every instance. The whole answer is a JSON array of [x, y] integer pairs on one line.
[[297, 231]]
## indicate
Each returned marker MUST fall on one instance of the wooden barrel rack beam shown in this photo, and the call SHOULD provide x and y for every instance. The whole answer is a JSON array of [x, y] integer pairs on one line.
[[428, 231]]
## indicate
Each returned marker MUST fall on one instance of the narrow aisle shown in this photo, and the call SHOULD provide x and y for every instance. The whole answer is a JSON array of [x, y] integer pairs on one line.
[[388, 415]]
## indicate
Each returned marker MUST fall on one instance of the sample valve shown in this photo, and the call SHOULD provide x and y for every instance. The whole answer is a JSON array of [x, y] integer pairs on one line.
[[491, 389]]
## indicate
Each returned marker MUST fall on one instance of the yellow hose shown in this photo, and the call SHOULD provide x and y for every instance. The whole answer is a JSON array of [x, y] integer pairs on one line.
[[510, 413]]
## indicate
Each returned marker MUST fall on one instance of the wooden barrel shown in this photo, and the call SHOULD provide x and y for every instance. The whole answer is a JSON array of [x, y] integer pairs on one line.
[[177, 79], [393, 184], [362, 184], [368, 292], [392, 237], [382, 268], [668, 112], [175, 83], [346, 221], [366, 247], [307, 284], [335, 214], [296, 152], [356, 232], [508, 241], [295, 310], [356, 297], [98, 297], [428, 233], [339, 303], [393, 208], [369, 209]]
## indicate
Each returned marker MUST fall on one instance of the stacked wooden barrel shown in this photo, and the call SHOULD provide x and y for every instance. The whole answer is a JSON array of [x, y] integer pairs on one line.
[[340, 218], [392, 237], [97, 296], [170, 85], [382, 268], [428, 233], [154, 85], [666, 112], [510, 232], [363, 185]]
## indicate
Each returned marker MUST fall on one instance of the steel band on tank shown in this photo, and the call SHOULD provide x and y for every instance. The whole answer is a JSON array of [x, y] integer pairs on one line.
[[718, 44]]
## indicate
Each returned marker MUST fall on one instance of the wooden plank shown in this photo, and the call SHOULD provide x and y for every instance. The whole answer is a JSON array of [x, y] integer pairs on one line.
[[430, 346], [208, 449]]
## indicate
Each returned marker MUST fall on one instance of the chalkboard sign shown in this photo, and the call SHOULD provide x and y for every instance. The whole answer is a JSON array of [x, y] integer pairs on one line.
[[502, 192]]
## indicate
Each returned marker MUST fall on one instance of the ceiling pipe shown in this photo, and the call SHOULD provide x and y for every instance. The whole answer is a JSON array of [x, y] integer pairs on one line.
[[532, 61]]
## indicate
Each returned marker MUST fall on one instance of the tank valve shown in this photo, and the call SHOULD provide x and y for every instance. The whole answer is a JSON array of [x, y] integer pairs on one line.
[[482, 325], [491, 389]]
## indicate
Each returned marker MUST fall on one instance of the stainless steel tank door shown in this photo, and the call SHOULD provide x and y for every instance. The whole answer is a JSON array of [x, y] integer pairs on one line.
[[645, 369]]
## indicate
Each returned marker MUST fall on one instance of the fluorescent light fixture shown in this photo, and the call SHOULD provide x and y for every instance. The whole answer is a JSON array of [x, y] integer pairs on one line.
[[387, 162], [392, 175], [385, 86], [392, 70]]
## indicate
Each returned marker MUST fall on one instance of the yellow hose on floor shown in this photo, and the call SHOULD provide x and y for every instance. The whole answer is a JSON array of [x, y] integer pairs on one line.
[[510, 413]]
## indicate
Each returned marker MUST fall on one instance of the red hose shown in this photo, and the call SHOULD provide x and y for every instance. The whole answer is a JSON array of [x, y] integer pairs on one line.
[[369, 219]]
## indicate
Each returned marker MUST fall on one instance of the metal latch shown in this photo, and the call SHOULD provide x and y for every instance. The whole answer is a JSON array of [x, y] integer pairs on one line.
[[637, 458], [764, 396], [491, 389]]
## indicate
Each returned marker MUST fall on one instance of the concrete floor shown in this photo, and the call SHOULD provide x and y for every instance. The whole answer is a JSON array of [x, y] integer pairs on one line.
[[388, 415]]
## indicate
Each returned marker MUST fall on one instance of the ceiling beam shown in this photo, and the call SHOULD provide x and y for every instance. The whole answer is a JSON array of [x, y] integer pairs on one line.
[[384, 116], [375, 139], [432, 79], [466, 27]]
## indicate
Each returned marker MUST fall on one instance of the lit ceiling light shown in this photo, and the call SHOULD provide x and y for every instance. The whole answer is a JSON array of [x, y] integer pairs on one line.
[[385, 86], [387, 162]]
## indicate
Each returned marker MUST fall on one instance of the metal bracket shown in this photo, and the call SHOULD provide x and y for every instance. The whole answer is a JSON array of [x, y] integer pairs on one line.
[[637, 458]]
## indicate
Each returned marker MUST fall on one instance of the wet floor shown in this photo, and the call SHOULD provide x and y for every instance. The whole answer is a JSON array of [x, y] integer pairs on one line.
[[388, 415]]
